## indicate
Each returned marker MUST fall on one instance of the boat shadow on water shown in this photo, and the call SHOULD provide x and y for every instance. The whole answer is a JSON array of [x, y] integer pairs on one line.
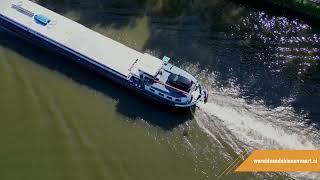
[[129, 103]]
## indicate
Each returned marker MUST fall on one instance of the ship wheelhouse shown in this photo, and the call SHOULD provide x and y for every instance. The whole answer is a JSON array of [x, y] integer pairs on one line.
[[165, 81]]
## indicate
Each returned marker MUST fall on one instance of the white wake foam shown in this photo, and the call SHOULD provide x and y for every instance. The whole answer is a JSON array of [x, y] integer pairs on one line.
[[254, 125]]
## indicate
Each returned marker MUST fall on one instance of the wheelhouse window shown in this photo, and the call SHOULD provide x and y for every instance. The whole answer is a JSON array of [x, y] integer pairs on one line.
[[180, 82], [178, 100]]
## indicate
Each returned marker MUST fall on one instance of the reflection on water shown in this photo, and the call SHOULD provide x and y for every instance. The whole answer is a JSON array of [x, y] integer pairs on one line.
[[262, 70]]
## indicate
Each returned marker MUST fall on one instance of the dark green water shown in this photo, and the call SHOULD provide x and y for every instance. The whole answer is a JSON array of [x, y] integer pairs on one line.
[[61, 121]]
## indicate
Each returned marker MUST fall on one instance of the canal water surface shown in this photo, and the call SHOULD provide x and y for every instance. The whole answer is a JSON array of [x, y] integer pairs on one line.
[[62, 121]]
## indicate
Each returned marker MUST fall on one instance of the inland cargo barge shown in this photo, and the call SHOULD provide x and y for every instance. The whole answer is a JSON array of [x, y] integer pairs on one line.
[[148, 75]]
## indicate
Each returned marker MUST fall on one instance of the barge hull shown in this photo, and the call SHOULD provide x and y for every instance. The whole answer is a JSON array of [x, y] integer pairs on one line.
[[30, 37], [77, 42]]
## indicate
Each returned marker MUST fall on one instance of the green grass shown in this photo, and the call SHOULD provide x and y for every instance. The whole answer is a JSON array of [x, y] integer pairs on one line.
[[303, 6]]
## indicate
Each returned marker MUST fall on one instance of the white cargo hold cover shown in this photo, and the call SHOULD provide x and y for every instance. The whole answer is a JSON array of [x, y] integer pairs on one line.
[[72, 35], [149, 64]]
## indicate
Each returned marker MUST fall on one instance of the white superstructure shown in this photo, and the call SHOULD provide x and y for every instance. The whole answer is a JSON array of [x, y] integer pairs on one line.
[[80, 39]]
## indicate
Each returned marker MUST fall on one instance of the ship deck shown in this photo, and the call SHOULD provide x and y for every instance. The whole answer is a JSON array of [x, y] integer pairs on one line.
[[74, 36]]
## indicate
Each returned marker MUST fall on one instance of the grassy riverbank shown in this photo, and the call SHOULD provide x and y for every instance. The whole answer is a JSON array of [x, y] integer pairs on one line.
[[306, 7]]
